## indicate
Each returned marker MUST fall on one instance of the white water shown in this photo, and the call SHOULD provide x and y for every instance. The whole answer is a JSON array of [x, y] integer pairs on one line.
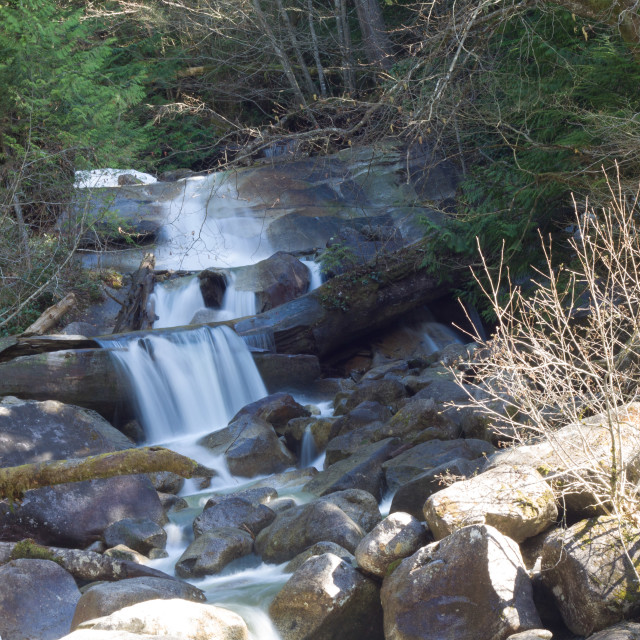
[[175, 302], [189, 381], [237, 304], [315, 272]]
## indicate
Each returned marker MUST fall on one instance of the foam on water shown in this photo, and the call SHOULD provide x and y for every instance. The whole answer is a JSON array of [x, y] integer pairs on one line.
[[175, 302]]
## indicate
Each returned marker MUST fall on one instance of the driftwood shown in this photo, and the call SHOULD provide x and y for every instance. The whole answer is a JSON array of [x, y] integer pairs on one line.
[[88, 566], [133, 315], [15, 481], [51, 316]]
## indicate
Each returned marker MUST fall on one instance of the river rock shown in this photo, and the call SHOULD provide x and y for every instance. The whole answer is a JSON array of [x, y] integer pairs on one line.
[[250, 446], [419, 420], [255, 496], [37, 600], [326, 599], [276, 280], [276, 409], [319, 427], [172, 619], [587, 567], [622, 631], [210, 552], [359, 505], [213, 284], [139, 534], [233, 511], [410, 497], [362, 470], [398, 536], [576, 450], [470, 586], [319, 549], [297, 528], [166, 482], [515, 500], [363, 414], [386, 392], [286, 371], [532, 634], [122, 552], [429, 455], [106, 597], [434, 373], [73, 514]]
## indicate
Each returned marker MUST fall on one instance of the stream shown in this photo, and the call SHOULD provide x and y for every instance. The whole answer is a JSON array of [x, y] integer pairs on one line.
[[188, 384]]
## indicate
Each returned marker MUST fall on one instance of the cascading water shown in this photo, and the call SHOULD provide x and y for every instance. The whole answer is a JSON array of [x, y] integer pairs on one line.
[[315, 272], [187, 382], [176, 302]]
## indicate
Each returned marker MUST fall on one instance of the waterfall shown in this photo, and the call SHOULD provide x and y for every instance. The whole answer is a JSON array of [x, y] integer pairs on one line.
[[315, 271], [187, 382], [237, 304], [175, 303]]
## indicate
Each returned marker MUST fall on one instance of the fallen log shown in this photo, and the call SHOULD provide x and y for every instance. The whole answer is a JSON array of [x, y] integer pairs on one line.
[[345, 308], [133, 314], [87, 566], [51, 316], [15, 481]]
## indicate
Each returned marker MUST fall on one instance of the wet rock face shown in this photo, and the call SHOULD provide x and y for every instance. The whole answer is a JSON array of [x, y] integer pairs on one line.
[[72, 514], [327, 599], [470, 586], [587, 569], [37, 600]]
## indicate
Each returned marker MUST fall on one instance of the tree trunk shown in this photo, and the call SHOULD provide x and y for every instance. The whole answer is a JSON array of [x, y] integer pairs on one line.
[[376, 42], [134, 315], [316, 50], [311, 89], [15, 481], [51, 316], [344, 37]]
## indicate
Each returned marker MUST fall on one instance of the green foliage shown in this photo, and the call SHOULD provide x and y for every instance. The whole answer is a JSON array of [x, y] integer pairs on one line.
[[555, 102]]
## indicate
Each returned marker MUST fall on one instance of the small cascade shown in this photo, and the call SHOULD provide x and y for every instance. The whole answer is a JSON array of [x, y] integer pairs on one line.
[[187, 382], [237, 304], [175, 302], [436, 336], [308, 451], [315, 271], [261, 340]]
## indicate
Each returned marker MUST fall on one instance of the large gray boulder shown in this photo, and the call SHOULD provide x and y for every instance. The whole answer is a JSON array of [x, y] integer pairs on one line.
[[276, 409], [359, 505], [362, 470], [591, 569], [250, 446], [37, 600], [212, 551], [326, 599], [72, 514], [410, 497], [398, 536], [172, 619], [278, 279], [233, 511], [429, 455], [388, 392], [139, 534], [104, 598], [575, 451], [622, 631], [515, 500], [297, 528], [470, 586]]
